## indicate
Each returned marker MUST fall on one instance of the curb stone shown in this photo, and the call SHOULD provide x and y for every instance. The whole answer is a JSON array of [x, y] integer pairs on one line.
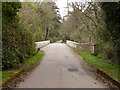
[[108, 76], [11, 77]]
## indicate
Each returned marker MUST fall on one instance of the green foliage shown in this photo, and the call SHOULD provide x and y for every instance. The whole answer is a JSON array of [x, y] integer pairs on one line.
[[18, 43], [5, 74], [9, 9], [34, 60], [77, 26], [27, 65], [112, 32], [32, 24], [99, 24], [0, 17], [9, 59], [106, 50], [50, 19], [23, 24], [44, 23], [38, 35], [33, 5]]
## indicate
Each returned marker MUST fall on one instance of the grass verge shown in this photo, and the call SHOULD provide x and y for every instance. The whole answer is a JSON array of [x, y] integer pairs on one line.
[[97, 62], [28, 64], [4, 74], [34, 60]]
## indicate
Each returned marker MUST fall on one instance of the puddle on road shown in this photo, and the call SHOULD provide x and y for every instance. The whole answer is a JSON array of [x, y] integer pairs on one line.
[[73, 70]]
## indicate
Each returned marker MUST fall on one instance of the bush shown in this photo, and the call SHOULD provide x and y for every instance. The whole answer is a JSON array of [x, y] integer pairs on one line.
[[106, 50], [18, 43], [9, 59]]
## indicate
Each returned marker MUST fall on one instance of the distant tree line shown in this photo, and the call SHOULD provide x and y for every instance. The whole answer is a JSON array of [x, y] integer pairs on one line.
[[94, 23]]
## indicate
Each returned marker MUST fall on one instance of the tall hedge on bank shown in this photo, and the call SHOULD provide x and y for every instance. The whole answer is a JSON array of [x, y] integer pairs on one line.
[[112, 32], [17, 41]]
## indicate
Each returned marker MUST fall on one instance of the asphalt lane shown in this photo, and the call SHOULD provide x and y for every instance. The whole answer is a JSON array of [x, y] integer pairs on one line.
[[60, 68]]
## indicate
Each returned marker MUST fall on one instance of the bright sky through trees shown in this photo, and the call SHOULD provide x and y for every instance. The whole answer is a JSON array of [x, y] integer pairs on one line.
[[62, 4]]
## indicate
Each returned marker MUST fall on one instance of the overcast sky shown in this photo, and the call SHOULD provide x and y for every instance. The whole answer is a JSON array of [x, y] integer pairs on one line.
[[62, 4]]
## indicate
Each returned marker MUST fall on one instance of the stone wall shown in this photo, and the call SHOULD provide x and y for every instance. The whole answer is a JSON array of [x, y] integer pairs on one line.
[[71, 43], [81, 46], [85, 47], [41, 44]]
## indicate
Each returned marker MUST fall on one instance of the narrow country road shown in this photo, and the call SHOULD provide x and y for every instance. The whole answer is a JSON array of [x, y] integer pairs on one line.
[[60, 68]]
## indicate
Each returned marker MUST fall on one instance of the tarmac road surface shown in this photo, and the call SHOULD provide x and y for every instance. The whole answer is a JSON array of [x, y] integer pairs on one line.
[[60, 68]]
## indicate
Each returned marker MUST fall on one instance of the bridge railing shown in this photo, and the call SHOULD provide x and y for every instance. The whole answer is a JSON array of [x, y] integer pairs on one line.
[[81, 46], [41, 44], [71, 43]]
